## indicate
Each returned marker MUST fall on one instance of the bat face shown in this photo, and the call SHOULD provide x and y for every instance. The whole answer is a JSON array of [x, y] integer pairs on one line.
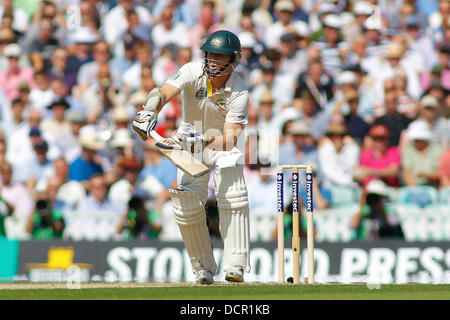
[[181, 158]]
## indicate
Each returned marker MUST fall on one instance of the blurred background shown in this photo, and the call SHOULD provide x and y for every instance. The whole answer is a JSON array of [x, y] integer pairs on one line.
[[358, 89]]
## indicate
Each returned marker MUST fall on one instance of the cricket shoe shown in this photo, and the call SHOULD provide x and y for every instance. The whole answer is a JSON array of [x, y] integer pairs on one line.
[[235, 275], [204, 277]]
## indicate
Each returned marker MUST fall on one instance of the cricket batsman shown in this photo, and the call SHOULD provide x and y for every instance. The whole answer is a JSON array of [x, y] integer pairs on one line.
[[214, 113]]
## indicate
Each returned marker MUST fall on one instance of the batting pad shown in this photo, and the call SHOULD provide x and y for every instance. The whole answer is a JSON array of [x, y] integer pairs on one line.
[[232, 201], [191, 218]]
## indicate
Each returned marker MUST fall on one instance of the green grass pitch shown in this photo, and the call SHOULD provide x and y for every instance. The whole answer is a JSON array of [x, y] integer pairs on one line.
[[223, 291]]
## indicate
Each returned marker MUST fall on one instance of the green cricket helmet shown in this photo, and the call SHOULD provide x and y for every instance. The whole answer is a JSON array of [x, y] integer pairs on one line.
[[223, 42]]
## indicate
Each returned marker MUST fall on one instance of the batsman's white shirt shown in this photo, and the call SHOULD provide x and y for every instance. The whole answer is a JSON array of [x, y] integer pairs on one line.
[[205, 110], [208, 111]]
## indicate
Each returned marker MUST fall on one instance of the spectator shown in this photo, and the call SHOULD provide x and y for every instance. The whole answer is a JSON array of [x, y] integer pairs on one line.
[[379, 161], [20, 202], [139, 222], [56, 125], [37, 172], [88, 73], [70, 192], [17, 121], [318, 82], [47, 220], [421, 158], [271, 80], [439, 126], [392, 119], [41, 96], [115, 22], [157, 167], [88, 163], [98, 205], [376, 219], [444, 171], [294, 59], [60, 69], [144, 56], [207, 23], [40, 47], [284, 10], [338, 154], [125, 188], [316, 118], [302, 149], [357, 127], [331, 45], [14, 74], [20, 17], [166, 32]]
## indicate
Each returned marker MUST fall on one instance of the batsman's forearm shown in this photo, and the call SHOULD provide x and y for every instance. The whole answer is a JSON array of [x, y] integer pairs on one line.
[[221, 143]]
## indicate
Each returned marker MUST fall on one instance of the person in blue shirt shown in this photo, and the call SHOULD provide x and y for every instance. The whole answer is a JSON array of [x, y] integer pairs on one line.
[[88, 163]]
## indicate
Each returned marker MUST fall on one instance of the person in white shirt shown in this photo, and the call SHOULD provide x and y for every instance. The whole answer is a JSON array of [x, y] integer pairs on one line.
[[215, 111], [338, 155]]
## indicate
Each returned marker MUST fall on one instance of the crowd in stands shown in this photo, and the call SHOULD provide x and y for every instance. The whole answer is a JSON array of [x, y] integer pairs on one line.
[[357, 88]]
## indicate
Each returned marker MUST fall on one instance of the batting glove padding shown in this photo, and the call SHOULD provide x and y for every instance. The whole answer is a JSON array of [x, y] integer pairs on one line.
[[144, 123], [154, 98]]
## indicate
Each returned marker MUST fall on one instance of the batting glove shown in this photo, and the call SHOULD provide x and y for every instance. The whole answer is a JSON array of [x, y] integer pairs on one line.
[[144, 123]]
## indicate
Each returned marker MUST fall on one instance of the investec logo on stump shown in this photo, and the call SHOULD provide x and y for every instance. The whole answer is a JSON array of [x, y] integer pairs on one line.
[[280, 192], [309, 199]]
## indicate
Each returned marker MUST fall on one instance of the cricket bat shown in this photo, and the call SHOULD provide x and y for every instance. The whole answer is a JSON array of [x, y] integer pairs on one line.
[[180, 157]]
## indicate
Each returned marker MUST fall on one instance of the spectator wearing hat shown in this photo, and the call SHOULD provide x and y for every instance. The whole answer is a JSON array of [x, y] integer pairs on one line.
[[122, 145], [7, 36], [376, 218], [379, 160], [82, 48], [68, 142], [301, 149], [392, 119], [382, 68], [331, 45], [57, 124], [14, 74], [284, 10], [294, 59], [419, 41], [88, 162], [421, 157], [361, 10], [249, 61], [338, 154], [439, 126]]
